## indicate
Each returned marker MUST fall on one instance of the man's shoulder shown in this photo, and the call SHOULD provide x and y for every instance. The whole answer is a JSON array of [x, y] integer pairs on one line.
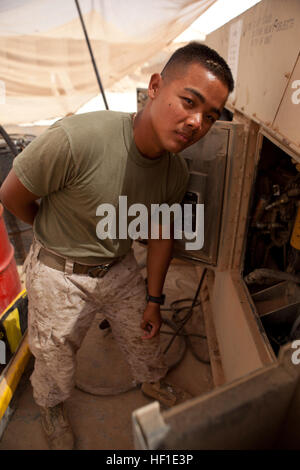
[[91, 121], [92, 130]]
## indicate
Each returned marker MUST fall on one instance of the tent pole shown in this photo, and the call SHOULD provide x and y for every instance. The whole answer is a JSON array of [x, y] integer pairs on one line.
[[92, 55]]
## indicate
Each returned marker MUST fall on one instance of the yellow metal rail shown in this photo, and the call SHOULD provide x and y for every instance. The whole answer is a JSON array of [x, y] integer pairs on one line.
[[12, 374]]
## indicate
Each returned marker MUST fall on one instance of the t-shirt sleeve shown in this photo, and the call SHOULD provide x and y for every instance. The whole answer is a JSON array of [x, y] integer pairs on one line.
[[46, 164]]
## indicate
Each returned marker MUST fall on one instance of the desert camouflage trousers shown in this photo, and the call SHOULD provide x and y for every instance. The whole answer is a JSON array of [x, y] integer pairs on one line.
[[62, 306]]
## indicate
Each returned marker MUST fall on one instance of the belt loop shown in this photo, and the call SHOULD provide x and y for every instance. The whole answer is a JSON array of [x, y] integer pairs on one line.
[[69, 265]]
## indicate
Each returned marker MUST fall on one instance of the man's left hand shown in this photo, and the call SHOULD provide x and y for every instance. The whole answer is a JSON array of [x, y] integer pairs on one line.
[[151, 320]]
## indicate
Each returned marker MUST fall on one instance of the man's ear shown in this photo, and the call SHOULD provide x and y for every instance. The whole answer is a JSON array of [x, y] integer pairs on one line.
[[154, 85]]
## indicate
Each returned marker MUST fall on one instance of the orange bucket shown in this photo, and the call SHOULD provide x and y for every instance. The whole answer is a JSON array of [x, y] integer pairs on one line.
[[10, 284]]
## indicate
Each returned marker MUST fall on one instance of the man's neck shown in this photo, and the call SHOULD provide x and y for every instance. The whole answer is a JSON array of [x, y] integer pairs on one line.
[[144, 136]]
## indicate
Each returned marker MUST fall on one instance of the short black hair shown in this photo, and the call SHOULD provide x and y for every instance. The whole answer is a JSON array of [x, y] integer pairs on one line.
[[209, 58]]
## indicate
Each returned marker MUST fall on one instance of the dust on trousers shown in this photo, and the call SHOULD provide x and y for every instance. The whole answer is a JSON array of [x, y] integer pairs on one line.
[[61, 309]]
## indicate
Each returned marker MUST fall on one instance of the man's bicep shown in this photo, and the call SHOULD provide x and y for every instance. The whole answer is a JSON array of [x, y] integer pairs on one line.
[[13, 192]]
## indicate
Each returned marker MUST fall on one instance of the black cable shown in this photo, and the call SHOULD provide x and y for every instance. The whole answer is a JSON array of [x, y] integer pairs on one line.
[[91, 54], [182, 334], [188, 315], [177, 310], [180, 331]]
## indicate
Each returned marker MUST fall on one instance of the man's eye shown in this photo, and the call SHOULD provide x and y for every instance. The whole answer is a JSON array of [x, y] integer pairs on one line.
[[210, 118], [188, 101]]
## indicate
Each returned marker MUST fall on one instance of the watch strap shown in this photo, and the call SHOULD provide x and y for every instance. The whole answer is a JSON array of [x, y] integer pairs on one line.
[[158, 300]]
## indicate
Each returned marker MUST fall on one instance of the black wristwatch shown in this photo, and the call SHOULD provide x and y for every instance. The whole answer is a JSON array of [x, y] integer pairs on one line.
[[158, 300]]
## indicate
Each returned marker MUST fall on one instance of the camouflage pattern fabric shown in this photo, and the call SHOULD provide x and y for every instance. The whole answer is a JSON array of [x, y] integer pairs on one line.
[[62, 306]]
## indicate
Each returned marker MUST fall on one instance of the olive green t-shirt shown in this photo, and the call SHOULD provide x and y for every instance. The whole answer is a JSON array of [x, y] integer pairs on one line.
[[87, 160]]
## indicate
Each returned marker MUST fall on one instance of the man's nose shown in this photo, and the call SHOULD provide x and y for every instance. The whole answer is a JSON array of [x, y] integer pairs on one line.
[[195, 120]]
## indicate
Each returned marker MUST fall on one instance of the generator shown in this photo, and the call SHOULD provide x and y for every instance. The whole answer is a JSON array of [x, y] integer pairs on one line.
[[246, 172]]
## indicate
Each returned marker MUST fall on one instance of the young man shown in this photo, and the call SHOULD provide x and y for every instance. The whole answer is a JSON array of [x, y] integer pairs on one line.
[[78, 164]]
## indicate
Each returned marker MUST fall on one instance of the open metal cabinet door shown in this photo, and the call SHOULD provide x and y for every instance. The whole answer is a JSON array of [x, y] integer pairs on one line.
[[226, 160], [216, 169], [239, 345]]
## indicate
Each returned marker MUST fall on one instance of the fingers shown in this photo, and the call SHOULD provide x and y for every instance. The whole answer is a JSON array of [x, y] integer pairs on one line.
[[150, 330]]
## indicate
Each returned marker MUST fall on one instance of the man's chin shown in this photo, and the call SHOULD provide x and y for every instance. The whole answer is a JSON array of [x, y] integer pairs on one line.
[[175, 145], [178, 147]]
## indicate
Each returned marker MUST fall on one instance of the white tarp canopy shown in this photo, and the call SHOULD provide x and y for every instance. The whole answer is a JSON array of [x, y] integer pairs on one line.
[[45, 66]]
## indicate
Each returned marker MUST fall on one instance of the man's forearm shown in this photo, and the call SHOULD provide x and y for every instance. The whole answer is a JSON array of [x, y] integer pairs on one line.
[[158, 261]]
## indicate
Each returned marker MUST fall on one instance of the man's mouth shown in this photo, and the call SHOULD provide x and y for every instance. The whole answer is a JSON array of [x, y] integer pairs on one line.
[[185, 138]]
